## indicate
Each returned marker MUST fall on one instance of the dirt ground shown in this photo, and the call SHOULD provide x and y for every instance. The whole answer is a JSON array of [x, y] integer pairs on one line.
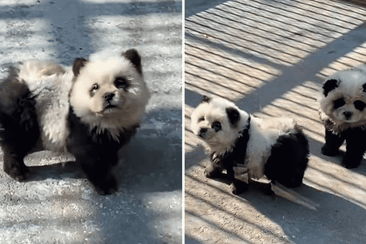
[[57, 204], [270, 58]]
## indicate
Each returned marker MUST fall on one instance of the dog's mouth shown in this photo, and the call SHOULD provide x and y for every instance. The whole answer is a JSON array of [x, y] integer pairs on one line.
[[110, 106], [350, 120], [107, 109]]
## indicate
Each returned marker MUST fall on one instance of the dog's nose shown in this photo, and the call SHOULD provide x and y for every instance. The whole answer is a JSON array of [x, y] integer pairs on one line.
[[108, 96], [202, 131], [347, 114]]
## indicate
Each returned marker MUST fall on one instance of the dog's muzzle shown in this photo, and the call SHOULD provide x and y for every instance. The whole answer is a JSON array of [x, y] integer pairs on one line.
[[202, 132]]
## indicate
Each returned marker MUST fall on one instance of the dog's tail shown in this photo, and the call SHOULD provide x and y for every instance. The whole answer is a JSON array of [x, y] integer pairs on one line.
[[293, 196]]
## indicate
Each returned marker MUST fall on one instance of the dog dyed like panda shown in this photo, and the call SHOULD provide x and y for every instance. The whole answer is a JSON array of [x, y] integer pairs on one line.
[[342, 110], [276, 148], [90, 111]]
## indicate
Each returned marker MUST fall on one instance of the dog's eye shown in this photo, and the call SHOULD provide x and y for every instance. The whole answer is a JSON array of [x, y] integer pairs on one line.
[[339, 103], [94, 87], [359, 105], [201, 119], [216, 126], [121, 82]]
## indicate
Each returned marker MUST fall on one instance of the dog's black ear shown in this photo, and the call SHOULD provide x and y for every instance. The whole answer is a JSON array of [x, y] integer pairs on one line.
[[364, 87], [205, 99], [134, 58], [77, 65], [233, 115], [330, 85]]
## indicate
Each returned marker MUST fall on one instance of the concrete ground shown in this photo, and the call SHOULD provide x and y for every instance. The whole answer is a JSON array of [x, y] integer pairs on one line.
[[57, 204], [270, 57]]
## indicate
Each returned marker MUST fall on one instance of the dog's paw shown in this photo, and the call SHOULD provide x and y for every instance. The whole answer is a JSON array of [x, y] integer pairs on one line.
[[18, 173], [238, 187], [329, 151], [350, 164], [107, 186], [212, 172], [267, 190]]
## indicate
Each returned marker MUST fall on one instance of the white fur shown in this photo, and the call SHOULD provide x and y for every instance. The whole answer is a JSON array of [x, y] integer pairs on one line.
[[222, 141], [263, 132], [350, 89], [51, 94], [55, 88], [263, 135], [103, 69]]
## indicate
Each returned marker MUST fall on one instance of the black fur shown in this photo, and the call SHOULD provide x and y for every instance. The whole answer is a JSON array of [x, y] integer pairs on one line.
[[354, 137], [364, 87], [287, 163], [135, 59], [205, 99], [216, 125], [19, 132], [77, 65], [359, 105], [122, 82], [338, 103], [329, 85], [229, 160], [19, 129], [289, 159], [96, 153], [233, 115]]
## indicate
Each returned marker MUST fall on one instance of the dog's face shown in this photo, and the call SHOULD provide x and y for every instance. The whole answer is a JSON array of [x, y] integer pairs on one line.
[[108, 87], [217, 121], [344, 96]]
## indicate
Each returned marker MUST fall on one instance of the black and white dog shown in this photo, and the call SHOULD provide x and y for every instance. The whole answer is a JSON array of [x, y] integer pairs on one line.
[[90, 110], [276, 148], [342, 110]]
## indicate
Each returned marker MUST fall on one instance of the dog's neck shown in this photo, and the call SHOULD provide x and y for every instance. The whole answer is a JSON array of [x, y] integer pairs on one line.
[[338, 127]]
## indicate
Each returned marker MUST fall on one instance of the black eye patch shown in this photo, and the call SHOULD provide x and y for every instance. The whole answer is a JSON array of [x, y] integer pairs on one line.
[[338, 103], [233, 115], [216, 126], [359, 105], [121, 83], [93, 89]]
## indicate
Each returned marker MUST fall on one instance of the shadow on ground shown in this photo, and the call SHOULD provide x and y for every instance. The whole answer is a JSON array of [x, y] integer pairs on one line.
[[57, 204], [270, 58]]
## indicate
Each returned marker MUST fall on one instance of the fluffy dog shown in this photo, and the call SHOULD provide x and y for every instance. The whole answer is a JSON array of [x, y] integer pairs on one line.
[[342, 110], [276, 148], [90, 111]]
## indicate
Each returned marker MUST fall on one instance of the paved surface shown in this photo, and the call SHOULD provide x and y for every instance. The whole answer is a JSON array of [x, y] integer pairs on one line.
[[270, 57], [58, 205]]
